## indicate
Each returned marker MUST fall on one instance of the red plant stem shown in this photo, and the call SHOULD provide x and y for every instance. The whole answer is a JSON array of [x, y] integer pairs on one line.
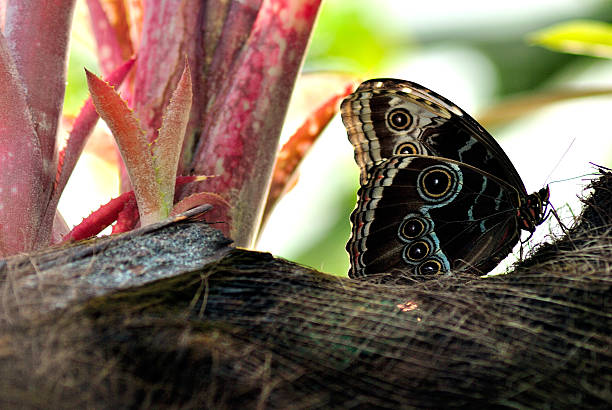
[[241, 140]]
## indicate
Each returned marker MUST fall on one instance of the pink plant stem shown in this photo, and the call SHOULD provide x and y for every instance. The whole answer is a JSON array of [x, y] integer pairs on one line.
[[241, 141], [238, 25], [226, 28], [38, 32], [21, 177]]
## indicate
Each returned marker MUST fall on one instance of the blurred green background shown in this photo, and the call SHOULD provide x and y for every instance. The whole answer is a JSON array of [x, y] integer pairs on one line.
[[475, 53]]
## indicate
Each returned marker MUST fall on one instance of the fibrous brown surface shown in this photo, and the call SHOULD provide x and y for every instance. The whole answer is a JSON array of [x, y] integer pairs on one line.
[[244, 329]]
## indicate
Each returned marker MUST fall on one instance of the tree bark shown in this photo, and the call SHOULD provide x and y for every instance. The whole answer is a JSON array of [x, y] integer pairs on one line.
[[173, 316]]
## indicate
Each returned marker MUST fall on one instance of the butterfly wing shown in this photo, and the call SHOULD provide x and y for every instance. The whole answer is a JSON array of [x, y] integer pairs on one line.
[[425, 215], [386, 117]]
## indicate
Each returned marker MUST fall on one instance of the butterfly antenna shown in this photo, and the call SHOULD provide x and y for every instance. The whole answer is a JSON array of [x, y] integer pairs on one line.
[[560, 160], [590, 174], [600, 166]]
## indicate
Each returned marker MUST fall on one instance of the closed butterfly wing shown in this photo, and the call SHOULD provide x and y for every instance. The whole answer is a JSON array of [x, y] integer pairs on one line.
[[386, 117], [408, 140], [425, 215]]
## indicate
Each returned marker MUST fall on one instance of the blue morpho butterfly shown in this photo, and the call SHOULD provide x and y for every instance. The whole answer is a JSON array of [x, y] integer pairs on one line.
[[438, 194]]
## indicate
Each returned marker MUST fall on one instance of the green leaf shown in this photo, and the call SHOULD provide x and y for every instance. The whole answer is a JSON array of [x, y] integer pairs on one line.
[[585, 37]]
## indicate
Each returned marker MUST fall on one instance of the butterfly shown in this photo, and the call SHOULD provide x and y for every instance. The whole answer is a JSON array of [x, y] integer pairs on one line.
[[438, 194]]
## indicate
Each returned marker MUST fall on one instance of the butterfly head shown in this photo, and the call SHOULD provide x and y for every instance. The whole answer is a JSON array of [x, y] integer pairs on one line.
[[533, 211]]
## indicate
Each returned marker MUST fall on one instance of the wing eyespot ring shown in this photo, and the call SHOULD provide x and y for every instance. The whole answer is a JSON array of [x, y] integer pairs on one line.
[[436, 182], [429, 267], [439, 184], [413, 226], [399, 119], [417, 251], [406, 148]]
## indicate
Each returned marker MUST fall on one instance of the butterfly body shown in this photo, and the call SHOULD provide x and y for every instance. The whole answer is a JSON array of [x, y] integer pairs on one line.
[[438, 194]]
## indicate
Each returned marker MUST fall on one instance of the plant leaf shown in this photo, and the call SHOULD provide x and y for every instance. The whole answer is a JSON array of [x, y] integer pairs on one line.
[[2, 14], [586, 37], [133, 146], [168, 145], [127, 219], [81, 129], [99, 219], [215, 15], [135, 16]]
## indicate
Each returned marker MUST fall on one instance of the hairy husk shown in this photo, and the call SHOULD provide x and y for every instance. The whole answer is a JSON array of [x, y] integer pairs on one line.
[[251, 330]]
